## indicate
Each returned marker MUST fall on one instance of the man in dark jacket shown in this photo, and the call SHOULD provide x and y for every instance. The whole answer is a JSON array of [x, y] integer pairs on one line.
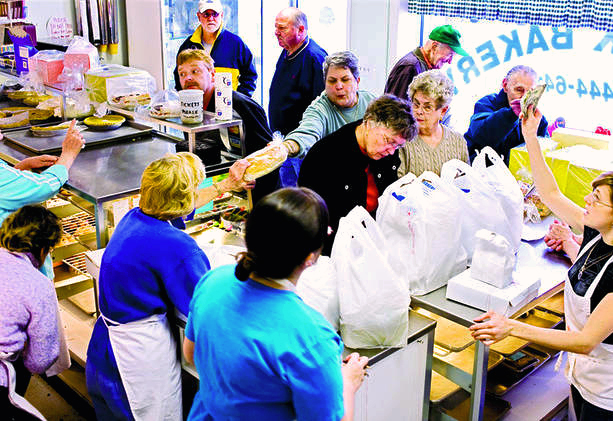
[[299, 77], [495, 122], [196, 71], [228, 50]]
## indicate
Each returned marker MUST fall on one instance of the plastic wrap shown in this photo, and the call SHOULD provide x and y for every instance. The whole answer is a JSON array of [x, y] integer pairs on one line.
[[165, 104], [123, 86]]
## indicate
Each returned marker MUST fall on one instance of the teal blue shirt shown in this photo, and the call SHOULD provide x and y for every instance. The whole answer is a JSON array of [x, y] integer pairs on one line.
[[322, 118], [261, 353], [19, 188]]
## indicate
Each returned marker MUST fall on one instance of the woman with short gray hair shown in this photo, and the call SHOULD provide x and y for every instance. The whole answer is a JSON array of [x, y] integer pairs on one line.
[[430, 94], [342, 102]]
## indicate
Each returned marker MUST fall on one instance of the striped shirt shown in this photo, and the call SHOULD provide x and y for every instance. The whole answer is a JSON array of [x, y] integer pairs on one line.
[[417, 156]]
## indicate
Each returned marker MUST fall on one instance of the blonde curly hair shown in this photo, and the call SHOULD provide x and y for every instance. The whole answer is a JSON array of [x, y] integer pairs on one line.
[[169, 185], [434, 84]]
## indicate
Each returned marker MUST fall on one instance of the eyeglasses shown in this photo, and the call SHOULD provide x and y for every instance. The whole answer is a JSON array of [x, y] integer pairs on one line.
[[391, 143], [426, 108], [596, 200], [206, 14]]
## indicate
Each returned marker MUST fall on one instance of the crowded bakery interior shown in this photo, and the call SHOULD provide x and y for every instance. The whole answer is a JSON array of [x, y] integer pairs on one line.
[[306, 210]]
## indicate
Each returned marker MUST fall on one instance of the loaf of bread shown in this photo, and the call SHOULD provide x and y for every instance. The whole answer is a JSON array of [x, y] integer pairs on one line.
[[265, 161]]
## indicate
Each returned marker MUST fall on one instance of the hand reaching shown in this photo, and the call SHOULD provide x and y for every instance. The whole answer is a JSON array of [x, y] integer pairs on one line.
[[558, 233], [354, 370], [530, 122], [493, 328], [36, 162], [235, 180]]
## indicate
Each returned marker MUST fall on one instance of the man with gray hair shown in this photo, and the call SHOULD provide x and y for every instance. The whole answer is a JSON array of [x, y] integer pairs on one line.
[[495, 122], [298, 77]]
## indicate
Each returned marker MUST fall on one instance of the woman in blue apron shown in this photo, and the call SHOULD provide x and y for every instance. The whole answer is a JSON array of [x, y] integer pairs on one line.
[[261, 353], [148, 269], [29, 334], [588, 291]]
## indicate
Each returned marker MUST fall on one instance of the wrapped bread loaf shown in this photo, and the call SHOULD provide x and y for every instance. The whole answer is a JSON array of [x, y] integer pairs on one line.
[[265, 161]]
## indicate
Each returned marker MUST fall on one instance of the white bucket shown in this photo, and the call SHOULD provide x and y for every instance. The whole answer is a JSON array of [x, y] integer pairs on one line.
[[191, 105]]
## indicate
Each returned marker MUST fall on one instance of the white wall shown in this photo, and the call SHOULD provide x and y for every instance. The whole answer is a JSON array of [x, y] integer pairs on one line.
[[40, 11]]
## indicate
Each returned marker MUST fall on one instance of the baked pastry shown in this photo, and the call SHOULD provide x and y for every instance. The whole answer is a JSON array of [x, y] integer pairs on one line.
[[130, 101], [265, 161], [169, 109]]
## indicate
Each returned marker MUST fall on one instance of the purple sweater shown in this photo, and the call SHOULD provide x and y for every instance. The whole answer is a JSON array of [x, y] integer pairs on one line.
[[28, 312]]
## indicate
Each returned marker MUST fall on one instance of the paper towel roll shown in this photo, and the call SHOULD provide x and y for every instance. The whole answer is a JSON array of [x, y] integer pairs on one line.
[[223, 96]]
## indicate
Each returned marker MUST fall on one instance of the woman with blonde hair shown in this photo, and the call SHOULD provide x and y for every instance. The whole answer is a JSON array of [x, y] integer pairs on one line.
[[29, 334], [588, 291], [148, 269], [430, 94]]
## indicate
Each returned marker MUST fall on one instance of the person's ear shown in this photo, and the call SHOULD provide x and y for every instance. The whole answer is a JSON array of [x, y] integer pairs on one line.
[[504, 84]]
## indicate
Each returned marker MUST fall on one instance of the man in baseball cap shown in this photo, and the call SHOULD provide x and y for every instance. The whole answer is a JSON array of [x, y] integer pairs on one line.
[[230, 53], [439, 49]]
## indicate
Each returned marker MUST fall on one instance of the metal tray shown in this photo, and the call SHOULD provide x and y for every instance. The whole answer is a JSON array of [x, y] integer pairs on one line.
[[554, 304], [457, 406], [504, 377], [53, 144], [448, 334], [441, 387]]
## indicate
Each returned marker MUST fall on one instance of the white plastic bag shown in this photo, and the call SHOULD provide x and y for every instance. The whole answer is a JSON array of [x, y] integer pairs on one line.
[[373, 299], [507, 191], [421, 220], [480, 206], [494, 259], [318, 288]]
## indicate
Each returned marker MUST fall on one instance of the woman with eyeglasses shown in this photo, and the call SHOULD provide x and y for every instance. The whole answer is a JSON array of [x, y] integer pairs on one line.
[[353, 165], [430, 94], [588, 291]]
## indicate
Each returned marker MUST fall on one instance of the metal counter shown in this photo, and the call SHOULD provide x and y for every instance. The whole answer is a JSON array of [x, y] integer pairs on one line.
[[534, 255]]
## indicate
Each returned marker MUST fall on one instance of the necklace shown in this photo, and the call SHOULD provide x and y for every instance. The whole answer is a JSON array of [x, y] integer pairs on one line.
[[586, 266]]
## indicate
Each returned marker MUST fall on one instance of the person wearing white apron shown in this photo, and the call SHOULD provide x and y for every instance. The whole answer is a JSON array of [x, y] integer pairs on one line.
[[30, 337], [588, 290], [148, 269]]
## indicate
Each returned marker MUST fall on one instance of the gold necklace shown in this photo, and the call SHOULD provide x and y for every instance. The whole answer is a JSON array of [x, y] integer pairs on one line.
[[586, 266]]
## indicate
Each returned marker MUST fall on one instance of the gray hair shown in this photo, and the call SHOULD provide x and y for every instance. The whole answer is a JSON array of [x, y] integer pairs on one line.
[[298, 17], [434, 84], [344, 59], [523, 69], [393, 113]]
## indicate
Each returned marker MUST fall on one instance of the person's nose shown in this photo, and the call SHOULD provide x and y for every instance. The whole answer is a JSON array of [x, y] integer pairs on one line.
[[339, 86]]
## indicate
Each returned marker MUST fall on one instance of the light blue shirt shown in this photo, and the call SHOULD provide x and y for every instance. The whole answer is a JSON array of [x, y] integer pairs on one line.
[[19, 188], [323, 117], [261, 353]]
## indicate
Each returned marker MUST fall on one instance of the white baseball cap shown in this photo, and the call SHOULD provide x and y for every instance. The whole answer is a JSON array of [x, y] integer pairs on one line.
[[215, 5]]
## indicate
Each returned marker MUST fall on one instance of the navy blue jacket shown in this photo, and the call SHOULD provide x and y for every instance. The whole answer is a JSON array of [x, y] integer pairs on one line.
[[298, 80], [495, 124], [230, 54]]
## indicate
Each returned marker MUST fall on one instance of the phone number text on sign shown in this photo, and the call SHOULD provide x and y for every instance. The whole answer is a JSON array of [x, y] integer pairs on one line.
[[594, 89]]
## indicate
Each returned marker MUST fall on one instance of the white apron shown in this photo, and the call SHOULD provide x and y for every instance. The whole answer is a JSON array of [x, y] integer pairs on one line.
[[146, 355], [591, 374], [17, 400]]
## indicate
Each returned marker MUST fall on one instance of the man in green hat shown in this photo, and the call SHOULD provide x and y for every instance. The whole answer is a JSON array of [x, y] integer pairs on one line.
[[439, 49]]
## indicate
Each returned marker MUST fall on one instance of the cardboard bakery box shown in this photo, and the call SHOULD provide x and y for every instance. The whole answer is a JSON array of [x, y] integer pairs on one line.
[[48, 64], [466, 290]]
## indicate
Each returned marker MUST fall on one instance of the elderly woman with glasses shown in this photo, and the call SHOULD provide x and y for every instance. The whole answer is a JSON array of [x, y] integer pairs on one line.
[[430, 94], [148, 270], [353, 165], [588, 291]]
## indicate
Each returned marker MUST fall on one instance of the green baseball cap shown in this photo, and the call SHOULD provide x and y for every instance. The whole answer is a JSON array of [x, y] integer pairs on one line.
[[447, 35]]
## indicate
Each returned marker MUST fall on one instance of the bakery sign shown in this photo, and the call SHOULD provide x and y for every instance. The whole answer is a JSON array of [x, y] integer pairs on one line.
[[574, 64]]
